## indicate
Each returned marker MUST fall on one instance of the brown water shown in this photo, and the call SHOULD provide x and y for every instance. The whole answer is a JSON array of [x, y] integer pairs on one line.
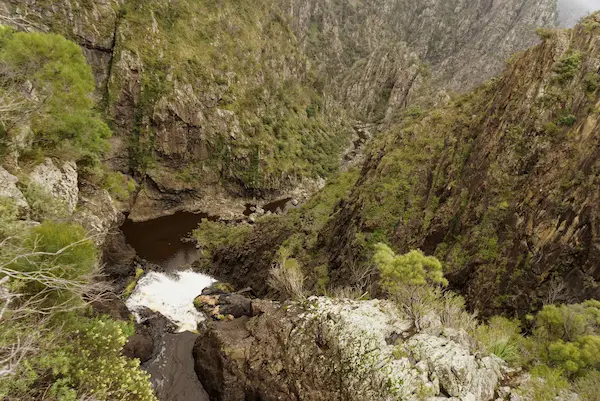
[[161, 240]]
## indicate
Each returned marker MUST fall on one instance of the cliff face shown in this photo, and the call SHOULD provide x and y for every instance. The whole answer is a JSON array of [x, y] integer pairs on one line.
[[213, 103], [371, 53], [501, 185]]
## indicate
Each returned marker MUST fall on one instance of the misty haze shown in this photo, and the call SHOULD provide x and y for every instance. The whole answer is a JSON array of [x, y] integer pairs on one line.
[[570, 11]]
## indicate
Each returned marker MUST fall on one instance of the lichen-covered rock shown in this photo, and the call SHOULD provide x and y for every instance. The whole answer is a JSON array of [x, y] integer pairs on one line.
[[8, 189], [97, 213], [60, 182], [328, 350], [460, 373]]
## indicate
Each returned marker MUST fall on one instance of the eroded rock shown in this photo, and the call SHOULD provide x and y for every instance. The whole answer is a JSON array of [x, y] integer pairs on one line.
[[60, 182], [326, 350], [8, 189], [97, 213]]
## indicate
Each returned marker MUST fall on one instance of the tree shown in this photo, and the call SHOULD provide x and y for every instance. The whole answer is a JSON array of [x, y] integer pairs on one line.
[[413, 268], [413, 280]]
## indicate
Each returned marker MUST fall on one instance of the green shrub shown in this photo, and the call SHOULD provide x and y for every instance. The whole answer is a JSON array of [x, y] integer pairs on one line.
[[61, 114], [588, 386], [414, 282], [544, 33], [566, 68], [506, 350], [568, 322], [62, 353], [413, 268], [567, 337], [52, 264], [286, 277], [44, 205], [546, 384], [501, 337], [119, 185], [567, 120], [92, 364], [572, 357], [591, 81]]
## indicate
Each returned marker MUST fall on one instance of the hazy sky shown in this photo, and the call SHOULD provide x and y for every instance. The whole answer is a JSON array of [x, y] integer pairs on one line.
[[571, 10]]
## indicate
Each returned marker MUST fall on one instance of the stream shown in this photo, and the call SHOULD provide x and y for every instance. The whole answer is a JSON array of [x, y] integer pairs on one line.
[[169, 292]]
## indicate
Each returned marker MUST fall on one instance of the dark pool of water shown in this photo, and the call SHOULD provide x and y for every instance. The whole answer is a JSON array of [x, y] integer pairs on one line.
[[160, 240], [279, 206]]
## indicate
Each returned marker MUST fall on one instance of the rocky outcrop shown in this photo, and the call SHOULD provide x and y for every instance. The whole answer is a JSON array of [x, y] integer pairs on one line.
[[60, 182], [9, 189], [97, 213], [324, 350]]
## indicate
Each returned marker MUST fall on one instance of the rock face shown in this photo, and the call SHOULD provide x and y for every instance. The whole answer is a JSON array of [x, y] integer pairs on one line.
[[8, 189], [61, 182], [97, 213], [374, 52], [337, 350], [486, 184], [214, 102]]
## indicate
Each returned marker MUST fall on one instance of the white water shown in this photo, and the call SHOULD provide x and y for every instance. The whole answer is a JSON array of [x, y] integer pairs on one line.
[[170, 295]]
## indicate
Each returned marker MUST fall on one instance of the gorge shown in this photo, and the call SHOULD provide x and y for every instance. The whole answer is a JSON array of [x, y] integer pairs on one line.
[[299, 200]]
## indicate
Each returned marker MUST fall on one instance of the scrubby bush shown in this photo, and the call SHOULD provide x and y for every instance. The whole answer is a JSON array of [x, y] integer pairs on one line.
[[591, 81], [119, 185], [546, 384], [44, 205], [544, 33], [412, 280], [588, 386], [414, 268], [501, 337], [567, 67], [49, 84], [50, 347], [92, 364], [286, 276], [567, 120]]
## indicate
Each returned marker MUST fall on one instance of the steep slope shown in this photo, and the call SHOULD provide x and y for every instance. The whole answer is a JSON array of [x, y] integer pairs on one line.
[[214, 104], [501, 185], [373, 52]]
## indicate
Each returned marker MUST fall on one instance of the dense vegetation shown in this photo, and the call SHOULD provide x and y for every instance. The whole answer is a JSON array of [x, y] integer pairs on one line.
[[46, 86], [239, 65], [559, 346], [53, 346]]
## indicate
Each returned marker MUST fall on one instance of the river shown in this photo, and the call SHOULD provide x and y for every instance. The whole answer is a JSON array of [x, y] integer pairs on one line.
[[170, 292]]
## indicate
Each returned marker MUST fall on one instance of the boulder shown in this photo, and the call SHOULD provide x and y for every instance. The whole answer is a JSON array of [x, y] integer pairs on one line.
[[8, 189], [221, 306], [60, 182]]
